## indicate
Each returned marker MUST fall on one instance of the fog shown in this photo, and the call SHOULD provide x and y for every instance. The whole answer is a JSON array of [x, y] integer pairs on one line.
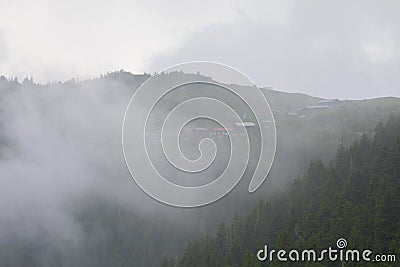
[[336, 49], [67, 197], [61, 147], [332, 50]]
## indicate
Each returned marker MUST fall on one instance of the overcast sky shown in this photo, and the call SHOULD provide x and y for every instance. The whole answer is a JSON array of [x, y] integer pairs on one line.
[[344, 49]]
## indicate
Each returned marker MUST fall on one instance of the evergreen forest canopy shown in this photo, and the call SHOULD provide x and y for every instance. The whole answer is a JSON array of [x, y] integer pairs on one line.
[[67, 199], [356, 196]]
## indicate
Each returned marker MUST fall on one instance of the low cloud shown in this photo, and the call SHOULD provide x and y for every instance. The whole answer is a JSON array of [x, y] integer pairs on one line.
[[340, 49]]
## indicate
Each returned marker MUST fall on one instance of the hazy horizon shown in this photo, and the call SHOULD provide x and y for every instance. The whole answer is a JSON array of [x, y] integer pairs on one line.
[[331, 50], [197, 167], [77, 79]]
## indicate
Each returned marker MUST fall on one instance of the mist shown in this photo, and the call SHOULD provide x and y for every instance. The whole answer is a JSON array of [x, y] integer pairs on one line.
[[61, 150], [67, 195], [69, 199]]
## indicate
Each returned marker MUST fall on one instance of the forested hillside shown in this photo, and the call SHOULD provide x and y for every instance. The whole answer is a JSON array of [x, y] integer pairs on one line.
[[356, 196], [70, 201]]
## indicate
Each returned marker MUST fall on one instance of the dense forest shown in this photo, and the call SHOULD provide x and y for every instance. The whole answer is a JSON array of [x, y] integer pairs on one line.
[[70, 201], [356, 196]]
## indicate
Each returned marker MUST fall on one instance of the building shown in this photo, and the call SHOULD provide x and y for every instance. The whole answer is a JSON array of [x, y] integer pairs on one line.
[[329, 102]]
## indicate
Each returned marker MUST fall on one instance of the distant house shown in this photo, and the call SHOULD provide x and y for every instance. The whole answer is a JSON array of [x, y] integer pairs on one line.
[[245, 124], [329, 102], [203, 132], [321, 105]]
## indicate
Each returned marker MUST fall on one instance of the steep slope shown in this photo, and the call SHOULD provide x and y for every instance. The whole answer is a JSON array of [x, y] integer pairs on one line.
[[114, 222], [356, 196]]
